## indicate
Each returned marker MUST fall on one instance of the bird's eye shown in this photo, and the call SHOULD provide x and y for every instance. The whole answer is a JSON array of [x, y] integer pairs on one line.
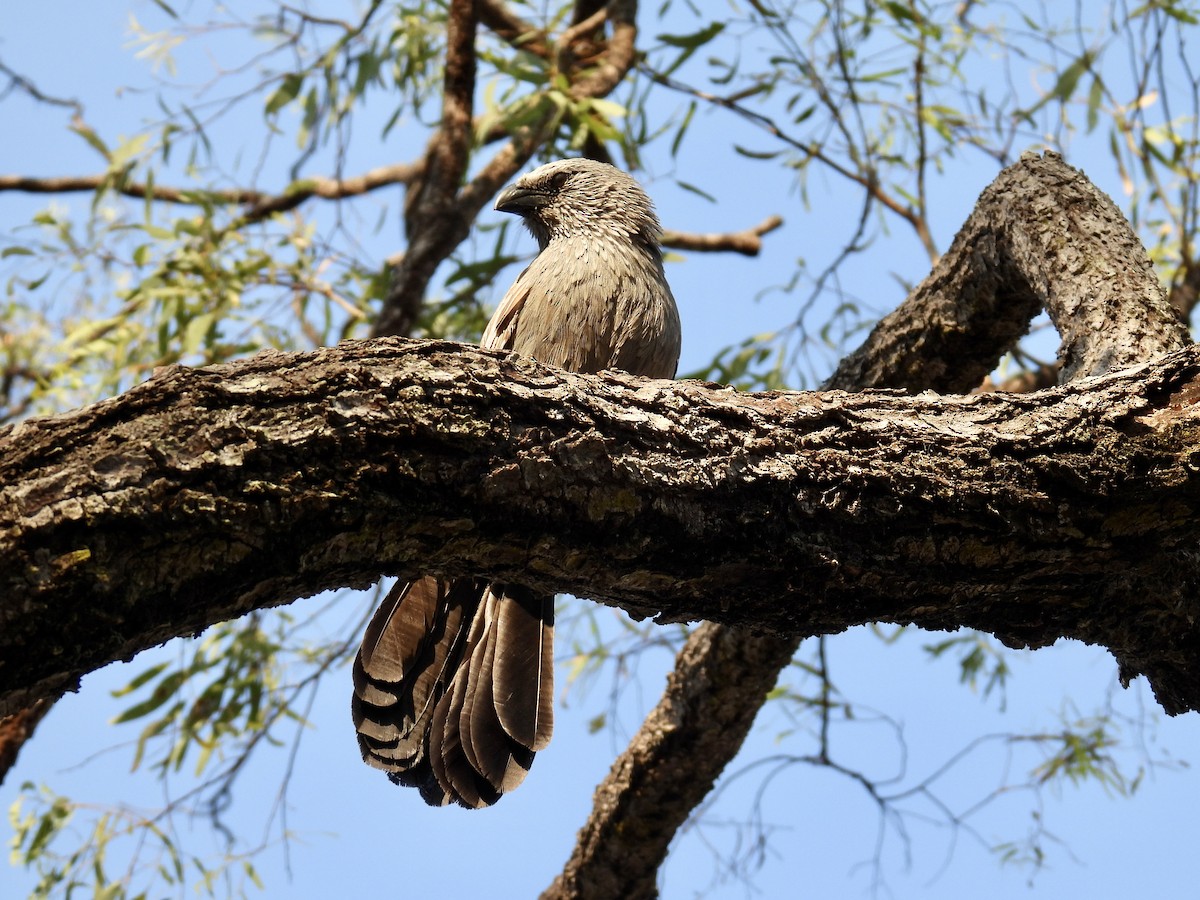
[[558, 179]]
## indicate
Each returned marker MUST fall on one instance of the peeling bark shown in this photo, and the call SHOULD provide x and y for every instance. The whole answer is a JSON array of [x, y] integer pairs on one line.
[[15, 730]]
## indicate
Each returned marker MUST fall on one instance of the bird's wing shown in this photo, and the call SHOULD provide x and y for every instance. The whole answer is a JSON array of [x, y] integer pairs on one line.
[[502, 327], [586, 303]]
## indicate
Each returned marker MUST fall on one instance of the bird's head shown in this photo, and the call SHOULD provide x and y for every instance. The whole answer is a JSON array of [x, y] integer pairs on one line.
[[582, 197]]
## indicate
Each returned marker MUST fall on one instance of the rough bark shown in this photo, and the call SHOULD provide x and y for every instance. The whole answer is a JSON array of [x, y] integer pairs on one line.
[[204, 493], [1041, 236], [16, 729], [1006, 262], [262, 492]]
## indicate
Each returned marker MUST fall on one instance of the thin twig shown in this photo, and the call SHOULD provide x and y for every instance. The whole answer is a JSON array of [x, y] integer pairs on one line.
[[747, 242], [864, 179], [20, 82], [261, 203]]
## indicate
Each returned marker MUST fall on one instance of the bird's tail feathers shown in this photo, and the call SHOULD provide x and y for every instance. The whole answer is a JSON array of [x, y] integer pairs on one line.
[[453, 688]]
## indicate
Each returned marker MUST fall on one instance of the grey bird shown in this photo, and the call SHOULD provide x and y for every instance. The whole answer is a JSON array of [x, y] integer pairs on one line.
[[454, 682]]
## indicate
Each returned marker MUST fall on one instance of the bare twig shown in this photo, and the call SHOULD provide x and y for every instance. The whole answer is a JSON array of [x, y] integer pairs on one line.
[[921, 222], [748, 241], [333, 189], [16, 81], [864, 179], [581, 30], [261, 204], [74, 183]]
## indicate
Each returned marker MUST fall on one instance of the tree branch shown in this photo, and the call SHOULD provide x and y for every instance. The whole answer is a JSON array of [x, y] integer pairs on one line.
[[261, 204], [720, 680], [75, 183], [202, 494], [1040, 236], [16, 729], [16, 81], [619, 56], [747, 242], [433, 221], [983, 305]]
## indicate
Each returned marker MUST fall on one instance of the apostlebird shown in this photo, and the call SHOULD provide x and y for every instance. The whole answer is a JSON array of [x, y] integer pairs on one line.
[[454, 682]]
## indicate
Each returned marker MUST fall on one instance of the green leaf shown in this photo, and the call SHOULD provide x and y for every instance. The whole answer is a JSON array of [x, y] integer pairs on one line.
[[285, 93], [162, 693], [683, 127], [689, 43], [1064, 88], [1095, 96], [92, 138], [606, 107], [900, 12], [756, 154], [141, 679], [695, 190], [696, 39], [368, 71], [158, 232]]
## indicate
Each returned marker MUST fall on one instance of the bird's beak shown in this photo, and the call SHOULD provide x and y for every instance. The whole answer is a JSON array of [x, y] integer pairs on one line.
[[521, 201]]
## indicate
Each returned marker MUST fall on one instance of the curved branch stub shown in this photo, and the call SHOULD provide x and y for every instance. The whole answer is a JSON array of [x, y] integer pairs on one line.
[[1040, 236]]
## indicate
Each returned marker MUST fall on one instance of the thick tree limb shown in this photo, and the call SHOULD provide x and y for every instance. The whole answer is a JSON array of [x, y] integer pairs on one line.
[[1041, 236], [952, 328], [721, 677], [202, 494]]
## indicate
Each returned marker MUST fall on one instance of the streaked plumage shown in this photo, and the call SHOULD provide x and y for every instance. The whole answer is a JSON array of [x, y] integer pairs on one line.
[[454, 683]]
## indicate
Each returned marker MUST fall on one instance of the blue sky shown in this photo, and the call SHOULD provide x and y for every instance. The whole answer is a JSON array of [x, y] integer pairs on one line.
[[354, 832]]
